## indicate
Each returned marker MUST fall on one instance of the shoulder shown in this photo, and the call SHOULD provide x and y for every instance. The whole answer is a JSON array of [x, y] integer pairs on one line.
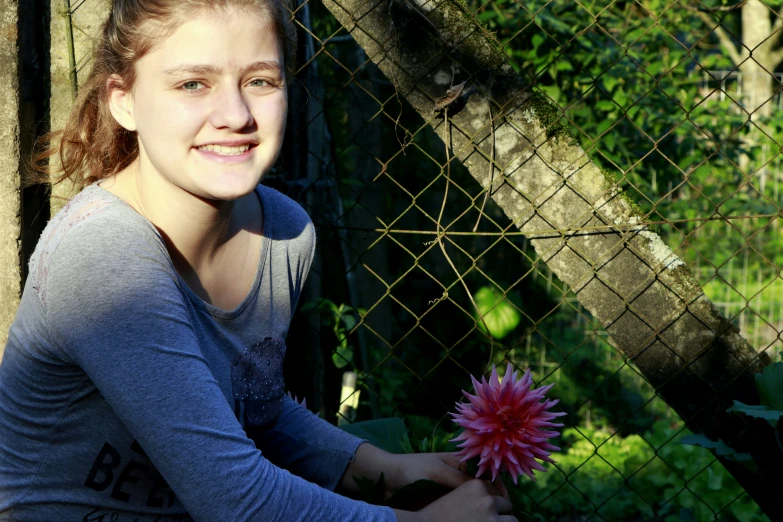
[[285, 219], [95, 234]]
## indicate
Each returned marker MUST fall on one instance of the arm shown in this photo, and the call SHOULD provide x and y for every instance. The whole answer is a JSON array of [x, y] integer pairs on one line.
[[114, 309]]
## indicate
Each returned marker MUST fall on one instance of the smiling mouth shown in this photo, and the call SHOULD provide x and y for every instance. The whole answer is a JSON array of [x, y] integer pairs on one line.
[[222, 150]]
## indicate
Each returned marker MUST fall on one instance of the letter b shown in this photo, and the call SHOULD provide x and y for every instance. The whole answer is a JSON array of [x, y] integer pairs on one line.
[[105, 462]]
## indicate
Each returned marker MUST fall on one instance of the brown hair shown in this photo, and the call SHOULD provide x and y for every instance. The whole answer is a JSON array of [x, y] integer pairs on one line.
[[92, 145]]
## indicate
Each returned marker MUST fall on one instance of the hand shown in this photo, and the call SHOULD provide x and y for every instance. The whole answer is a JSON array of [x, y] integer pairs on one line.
[[474, 501], [443, 468], [402, 469]]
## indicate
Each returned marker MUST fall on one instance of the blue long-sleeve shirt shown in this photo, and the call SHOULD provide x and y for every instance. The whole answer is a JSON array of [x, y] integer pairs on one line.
[[124, 397]]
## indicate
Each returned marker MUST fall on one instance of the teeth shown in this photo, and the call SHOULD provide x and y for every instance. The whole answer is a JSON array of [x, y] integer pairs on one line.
[[225, 151]]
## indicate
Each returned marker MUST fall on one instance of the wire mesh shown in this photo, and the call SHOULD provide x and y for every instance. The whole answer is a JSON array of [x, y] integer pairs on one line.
[[422, 279]]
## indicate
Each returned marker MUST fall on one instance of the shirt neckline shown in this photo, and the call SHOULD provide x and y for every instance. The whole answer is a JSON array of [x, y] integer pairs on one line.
[[213, 310]]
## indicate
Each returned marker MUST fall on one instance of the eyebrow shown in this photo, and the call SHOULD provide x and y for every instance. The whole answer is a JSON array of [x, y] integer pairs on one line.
[[195, 68]]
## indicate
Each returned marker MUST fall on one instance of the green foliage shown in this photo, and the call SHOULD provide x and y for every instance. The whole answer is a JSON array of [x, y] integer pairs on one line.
[[639, 477], [771, 395], [719, 447], [632, 83], [388, 434], [758, 411], [770, 386], [372, 491], [500, 316], [341, 319]]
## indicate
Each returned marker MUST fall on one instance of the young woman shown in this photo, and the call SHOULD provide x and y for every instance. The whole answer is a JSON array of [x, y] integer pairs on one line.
[[142, 379]]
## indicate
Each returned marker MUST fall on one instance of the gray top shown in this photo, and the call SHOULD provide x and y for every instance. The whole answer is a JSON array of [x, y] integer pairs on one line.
[[124, 397]]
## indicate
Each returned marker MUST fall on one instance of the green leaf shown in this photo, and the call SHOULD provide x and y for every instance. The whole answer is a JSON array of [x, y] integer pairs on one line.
[[318, 305], [756, 410], [602, 127], [609, 82], [610, 140], [342, 356], [499, 315], [348, 321], [386, 434], [714, 479], [371, 491], [605, 105], [719, 447], [770, 385], [620, 97], [417, 495], [405, 443], [563, 65], [553, 91]]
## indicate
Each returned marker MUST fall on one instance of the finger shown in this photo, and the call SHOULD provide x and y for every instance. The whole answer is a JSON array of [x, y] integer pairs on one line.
[[451, 477], [453, 461], [503, 505]]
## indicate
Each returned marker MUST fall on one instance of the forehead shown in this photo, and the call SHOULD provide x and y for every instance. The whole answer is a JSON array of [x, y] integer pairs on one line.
[[228, 39]]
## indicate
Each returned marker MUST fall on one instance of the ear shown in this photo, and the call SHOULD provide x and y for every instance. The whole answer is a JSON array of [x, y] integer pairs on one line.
[[120, 102]]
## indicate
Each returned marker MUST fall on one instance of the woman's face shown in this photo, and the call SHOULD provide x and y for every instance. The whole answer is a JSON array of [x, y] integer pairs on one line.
[[209, 105]]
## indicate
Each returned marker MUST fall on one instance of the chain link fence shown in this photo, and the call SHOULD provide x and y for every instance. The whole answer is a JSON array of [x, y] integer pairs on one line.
[[423, 276]]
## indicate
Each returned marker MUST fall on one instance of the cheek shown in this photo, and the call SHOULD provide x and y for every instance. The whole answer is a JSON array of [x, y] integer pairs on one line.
[[170, 119], [271, 114]]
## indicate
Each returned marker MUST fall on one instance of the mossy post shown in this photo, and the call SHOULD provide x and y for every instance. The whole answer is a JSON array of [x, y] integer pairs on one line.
[[10, 188], [589, 233]]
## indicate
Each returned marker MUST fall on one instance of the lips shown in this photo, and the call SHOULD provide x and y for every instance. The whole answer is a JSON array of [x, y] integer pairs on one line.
[[224, 150], [227, 152]]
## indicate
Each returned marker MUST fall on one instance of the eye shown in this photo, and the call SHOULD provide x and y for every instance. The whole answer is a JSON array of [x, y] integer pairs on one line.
[[259, 82], [192, 85]]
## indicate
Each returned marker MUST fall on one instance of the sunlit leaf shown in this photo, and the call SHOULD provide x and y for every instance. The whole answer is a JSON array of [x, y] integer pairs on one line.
[[770, 385], [499, 315]]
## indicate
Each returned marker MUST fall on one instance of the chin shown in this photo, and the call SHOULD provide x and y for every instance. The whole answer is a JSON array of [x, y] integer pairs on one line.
[[227, 188], [226, 194]]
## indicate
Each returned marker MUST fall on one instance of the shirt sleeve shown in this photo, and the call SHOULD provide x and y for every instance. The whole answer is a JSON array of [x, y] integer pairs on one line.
[[308, 446], [114, 308]]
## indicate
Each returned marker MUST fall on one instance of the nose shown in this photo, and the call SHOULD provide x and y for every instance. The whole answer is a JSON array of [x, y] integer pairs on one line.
[[231, 111]]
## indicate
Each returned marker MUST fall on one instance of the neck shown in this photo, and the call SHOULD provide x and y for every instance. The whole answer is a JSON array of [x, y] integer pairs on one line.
[[194, 229]]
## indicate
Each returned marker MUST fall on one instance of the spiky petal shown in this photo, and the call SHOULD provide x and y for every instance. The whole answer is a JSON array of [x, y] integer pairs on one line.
[[303, 404], [505, 425]]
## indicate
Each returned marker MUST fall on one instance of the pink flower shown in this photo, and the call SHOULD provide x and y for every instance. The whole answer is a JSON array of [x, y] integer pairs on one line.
[[303, 404], [503, 423]]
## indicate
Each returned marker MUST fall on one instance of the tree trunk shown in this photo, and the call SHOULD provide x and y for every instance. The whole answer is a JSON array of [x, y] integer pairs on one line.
[[757, 68], [589, 233]]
